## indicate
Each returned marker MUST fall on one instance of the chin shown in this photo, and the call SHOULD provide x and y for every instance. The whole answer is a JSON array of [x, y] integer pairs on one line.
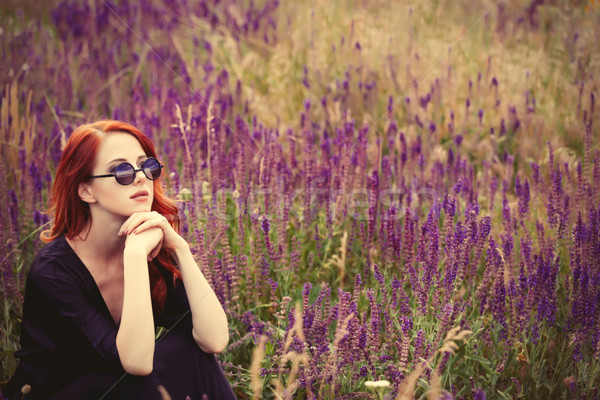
[[140, 209]]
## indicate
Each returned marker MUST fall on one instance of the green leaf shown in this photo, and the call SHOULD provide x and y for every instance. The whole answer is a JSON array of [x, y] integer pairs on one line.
[[486, 364]]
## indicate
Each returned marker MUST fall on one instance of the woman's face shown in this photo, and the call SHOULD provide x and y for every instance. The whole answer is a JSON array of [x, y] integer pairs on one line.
[[110, 196]]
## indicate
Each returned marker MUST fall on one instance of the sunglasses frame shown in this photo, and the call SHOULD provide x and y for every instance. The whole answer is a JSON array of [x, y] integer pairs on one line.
[[135, 171]]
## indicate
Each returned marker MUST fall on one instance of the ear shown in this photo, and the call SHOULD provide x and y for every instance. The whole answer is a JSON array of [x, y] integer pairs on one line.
[[85, 193]]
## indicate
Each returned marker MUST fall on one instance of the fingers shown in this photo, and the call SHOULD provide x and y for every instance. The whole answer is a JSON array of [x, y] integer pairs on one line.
[[134, 221], [151, 223], [139, 222], [146, 241]]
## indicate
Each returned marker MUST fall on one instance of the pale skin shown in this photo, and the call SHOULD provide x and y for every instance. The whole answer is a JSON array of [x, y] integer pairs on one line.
[[116, 245]]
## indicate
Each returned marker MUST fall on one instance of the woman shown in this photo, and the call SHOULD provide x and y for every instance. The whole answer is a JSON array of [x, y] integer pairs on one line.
[[113, 270]]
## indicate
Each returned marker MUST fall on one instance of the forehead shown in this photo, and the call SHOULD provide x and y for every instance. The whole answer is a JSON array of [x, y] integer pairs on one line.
[[118, 145]]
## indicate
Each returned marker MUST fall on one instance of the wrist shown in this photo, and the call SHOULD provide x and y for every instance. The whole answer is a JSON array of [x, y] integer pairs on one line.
[[181, 246], [133, 252], [181, 250]]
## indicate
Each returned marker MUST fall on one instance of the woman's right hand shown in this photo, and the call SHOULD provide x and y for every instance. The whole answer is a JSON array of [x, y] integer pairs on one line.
[[148, 241]]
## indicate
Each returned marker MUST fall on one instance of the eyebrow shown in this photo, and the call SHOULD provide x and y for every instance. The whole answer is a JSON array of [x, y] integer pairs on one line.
[[124, 160]]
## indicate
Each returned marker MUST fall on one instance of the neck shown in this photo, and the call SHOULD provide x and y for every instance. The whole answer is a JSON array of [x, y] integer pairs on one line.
[[99, 239]]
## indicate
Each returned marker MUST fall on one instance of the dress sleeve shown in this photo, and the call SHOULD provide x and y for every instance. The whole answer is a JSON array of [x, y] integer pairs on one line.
[[66, 290]]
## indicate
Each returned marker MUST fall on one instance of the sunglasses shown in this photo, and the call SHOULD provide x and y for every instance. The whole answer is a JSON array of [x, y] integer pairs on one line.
[[125, 173]]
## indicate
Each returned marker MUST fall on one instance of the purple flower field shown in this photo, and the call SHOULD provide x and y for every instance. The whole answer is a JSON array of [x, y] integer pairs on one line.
[[392, 200]]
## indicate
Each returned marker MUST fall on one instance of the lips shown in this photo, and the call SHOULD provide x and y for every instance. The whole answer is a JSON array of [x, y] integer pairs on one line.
[[139, 194]]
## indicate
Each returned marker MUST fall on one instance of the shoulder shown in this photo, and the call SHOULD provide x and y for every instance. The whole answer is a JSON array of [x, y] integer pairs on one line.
[[54, 261]]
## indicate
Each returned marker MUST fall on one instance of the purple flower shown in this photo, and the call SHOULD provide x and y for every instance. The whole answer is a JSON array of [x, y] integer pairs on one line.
[[396, 284], [419, 345], [450, 206], [479, 393], [432, 127], [458, 140], [375, 322], [499, 307], [379, 277], [505, 210], [457, 187], [423, 101], [307, 105], [524, 199], [373, 197], [407, 324], [305, 294], [14, 211], [432, 260], [418, 122], [502, 127], [485, 228]]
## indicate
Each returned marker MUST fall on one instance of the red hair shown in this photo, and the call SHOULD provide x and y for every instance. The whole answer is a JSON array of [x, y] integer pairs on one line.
[[71, 214]]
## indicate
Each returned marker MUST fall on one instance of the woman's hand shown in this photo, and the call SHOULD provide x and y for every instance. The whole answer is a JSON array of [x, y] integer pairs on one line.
[[145, 223], [150, 242]]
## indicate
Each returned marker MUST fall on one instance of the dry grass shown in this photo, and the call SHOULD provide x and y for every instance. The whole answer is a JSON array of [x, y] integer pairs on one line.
[[16, 121], [399, 46]]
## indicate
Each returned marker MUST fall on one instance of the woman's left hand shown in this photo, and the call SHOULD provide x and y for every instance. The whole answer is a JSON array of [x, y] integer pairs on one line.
[[140, 221]]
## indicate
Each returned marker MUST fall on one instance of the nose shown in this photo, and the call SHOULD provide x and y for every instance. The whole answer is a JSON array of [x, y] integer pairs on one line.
[[139, 177]]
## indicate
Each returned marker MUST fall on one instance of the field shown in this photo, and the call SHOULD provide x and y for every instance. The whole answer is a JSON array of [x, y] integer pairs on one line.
[[391, 199]]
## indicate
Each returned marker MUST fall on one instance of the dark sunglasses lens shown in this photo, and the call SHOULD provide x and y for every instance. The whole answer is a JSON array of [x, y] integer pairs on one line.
[[151, 168], [124, 173]]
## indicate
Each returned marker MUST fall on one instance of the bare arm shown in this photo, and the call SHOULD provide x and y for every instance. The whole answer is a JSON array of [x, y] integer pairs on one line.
[[135, 338], [210, 331]]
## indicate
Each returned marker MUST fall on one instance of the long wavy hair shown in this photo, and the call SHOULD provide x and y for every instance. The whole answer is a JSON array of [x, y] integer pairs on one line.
[[71, 214]]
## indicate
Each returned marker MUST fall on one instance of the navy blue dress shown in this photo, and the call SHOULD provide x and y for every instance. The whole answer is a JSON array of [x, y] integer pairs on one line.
[[68, 341]]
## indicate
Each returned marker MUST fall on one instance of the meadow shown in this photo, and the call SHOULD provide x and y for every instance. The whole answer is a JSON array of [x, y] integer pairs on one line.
[[391, 199]]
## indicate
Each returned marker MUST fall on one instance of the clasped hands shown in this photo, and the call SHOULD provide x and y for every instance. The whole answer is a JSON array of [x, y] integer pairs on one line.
[[150, 232]]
